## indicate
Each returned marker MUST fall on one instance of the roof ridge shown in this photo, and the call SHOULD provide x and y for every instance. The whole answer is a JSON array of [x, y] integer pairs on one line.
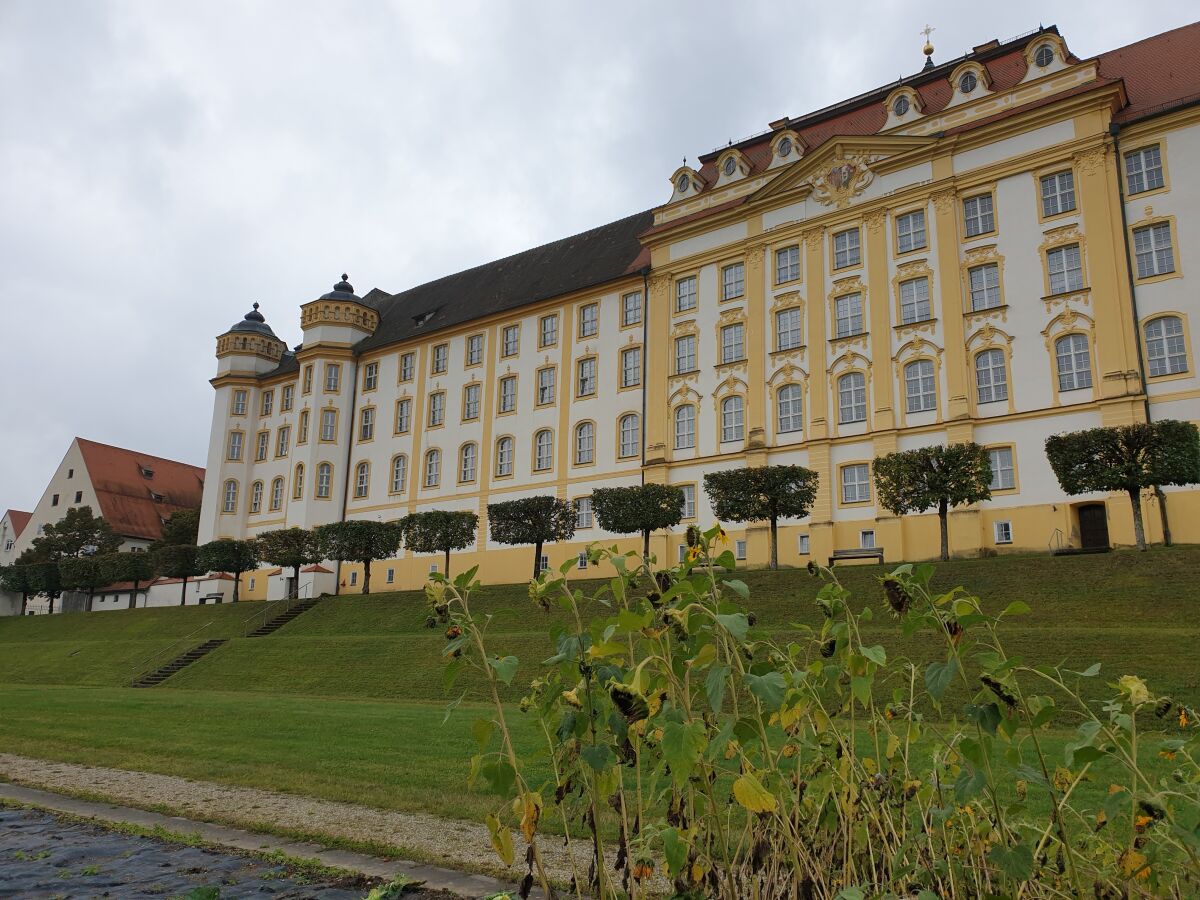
[[126, 450], [1153, 37]]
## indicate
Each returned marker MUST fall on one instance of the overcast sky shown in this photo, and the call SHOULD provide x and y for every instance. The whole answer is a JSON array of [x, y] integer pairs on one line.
[[165, 164]]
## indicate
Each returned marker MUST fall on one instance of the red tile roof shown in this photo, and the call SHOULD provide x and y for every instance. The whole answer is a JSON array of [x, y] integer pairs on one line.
[[19, 520], [1158, 72], [137, 491]]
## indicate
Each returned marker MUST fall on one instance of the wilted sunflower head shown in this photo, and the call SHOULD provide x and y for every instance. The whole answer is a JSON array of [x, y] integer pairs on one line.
[[999, 690], [898, 598], [1162, 707], [812, 569], [828, 646], [692, 536], [633, 706]]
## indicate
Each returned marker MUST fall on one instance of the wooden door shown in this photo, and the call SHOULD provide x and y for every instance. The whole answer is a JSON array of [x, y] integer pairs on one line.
[[1093, 526]]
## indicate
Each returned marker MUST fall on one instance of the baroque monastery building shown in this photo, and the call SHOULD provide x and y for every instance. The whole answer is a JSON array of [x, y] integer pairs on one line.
[[993, 250]]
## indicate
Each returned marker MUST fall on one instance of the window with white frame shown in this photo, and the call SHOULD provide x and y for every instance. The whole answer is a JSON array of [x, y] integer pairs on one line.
[[589, 320], [985, 286], [789, 402], [910, 231], [308, 380], [235, 445], [631, 366], [433, 468], [685, 354], [390, 577], [408, 366], [733, 343], [1143, 170], [1166, 350], [471, 402], [239, 403], [302, 428], [585, 444], [978, 215], [328, 424], [739, 549], [688, 510], [919, 386], [1074, 362], [856, 483], [399, 473], [370, 376], [732, 419], [631, 308], [268, 403], [866, 539], [366, 424], [362, 480], [583, 512], [914, 300], [685, 426], [287, 398], [685, 294], [508, 393], [787, 264], [847, 248], [441, 358], [548, 330], [437, 408], [262, 446], [403, 416], [1153, 251], [631, 436], [1002, 531], [256, 497], [586, 370], [581, 560], [283, 440], [991, 376], [468, 460], [848, 314], [433, 568], [474, 349], [543, 563], [298, 482], [733, 281], [1066, 270], [787, 329], [543, 450], [333, 376], [683, 549], [353, 579], [511, 344], [545, 390], [324, 480], [231, 496], [802, 544], [852, 398], [1004, 476], [504, 457], [1058, 193], [277, 494]]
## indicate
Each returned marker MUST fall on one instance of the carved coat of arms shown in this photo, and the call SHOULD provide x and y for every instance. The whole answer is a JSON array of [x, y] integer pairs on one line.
[[844, 179]]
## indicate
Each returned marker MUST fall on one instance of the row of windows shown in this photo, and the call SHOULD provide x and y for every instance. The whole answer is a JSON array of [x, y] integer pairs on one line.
[[854, 479]]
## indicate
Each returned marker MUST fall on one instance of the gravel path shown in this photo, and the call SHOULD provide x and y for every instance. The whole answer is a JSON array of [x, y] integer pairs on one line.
[[449, 842]]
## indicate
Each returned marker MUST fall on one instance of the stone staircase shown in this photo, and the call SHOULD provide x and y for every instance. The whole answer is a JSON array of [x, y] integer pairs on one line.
[[159, 675], [273, 625]]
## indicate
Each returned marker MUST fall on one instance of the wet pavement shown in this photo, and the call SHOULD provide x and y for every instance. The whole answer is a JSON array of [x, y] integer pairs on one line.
[[42, 856]]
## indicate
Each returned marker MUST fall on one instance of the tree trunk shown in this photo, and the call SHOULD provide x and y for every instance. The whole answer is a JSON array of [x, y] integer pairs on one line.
[[366, 577], [447, 572], [943, 509], [537, 560], [237, 584], [24, 602], [91, 595], [1139, 530], [646, 545], [133, 594], [183, 592], [295, 591], [1162, 512], [774, 542]]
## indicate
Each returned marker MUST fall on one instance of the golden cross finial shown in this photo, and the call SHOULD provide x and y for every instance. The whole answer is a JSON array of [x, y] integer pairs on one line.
[[927, 31]]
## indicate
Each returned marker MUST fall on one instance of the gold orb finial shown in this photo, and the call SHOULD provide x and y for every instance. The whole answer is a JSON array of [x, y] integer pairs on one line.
[[927, 31]]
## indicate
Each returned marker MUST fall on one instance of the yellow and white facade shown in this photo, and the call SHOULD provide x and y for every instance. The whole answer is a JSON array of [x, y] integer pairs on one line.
[[995, 250]]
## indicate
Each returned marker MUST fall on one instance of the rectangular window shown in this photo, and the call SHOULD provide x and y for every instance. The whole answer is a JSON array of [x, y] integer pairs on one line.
[[239, 403], [437, 409], [581, 561], [589, 320], [543, 563], [308, 379], [543, 451], [733, 426], [470, 402], [283, 441], [235, 446], [545, 389], [914, 301], [328, 425], [366, 424], [733, 343], [262, 445], [468, 460], [866, 540], [1066, 271], [1003, 532], [585, 444], [333, 376], [689, 501], [353, 579], [583, 512], [852, 398], [399, 474], [1004, 476], [1143, 170], [268, 403], [856, 483], [408, 365], [787, 329], [631, 308], [991, 376], [54, 500], [548, 330], [733, 281], [978, 215], [403, 416], [1152, 247], [985, 286], [920, 386], [302, 428], [586, 386], [474, 349], [847, 249], [441, 356], [685, 354], [371, 376], [512, 340], [287, 398], [391, 576], [685, 427], [79, 498], [910, 231], [1074, 360], [739, 549], [362, 481], [508, 393], [685, 294], [802, 544], [787, 264], [631, 437], [848, 313], [1058, 193], [631, 366]]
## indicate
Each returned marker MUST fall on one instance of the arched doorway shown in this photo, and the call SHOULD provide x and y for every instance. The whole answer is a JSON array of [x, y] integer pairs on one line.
[[1093, 526]]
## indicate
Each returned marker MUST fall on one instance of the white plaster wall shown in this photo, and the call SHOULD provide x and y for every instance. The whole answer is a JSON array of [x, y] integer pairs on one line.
[[718, 237], [1018, 145]]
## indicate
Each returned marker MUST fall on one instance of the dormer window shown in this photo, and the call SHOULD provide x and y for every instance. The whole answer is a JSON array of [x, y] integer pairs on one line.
[[730, 167], [968, 82], [1043, 56], [785, 147], [683, 183], [156, 497], [146, 471], [900, 107]]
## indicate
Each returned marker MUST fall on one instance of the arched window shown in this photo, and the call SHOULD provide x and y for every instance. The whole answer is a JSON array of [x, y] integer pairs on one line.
[[362, 480], [256, 495], [1165, 346], [399, 473], [277, 494], [790, 403], [468, 460], [852, 398], [685, 426], [920, 388], [324, 480], [631, 436], [231, 492], [991, 376], [1074, 362], [543, 450], [433, 468], [298, 482], [585, 443], [504, 456], [733, 426]]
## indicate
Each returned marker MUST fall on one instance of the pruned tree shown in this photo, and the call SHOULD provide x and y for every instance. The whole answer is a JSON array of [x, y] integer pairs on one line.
[[15, 580], [359, 540], [132, 567], [82, 573], [1126, 458], [640, 509], [289, 548], [439, 531], [178, 561], [229, 555], [78, 533], [938, 477], [532, 520], [41, 574], [762, 493], [181, 527]]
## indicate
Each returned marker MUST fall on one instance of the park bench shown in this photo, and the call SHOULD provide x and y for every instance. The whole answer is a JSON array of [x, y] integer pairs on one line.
[[863, 553]]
